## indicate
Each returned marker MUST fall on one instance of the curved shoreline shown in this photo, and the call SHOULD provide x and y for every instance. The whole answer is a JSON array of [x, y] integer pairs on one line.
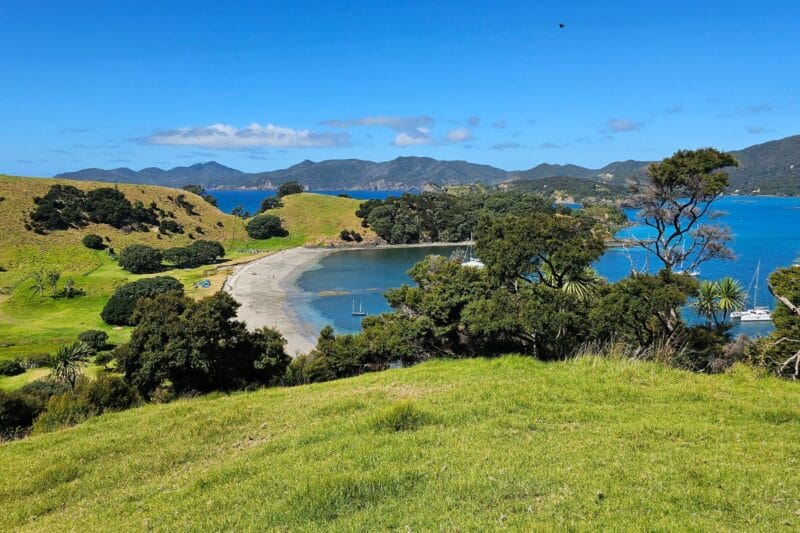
[[266, 288]]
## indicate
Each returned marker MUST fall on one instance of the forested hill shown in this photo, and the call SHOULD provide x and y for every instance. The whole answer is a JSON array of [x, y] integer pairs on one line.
[[769, 168]]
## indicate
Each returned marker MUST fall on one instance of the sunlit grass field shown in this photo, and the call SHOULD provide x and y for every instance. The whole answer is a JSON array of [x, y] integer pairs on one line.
[[32, 324], [510, 443]]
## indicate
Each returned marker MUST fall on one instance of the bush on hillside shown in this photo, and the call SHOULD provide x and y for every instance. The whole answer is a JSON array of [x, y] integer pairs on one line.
[[270, 202], [168, 226], [265, 226], [140, 259], [201, 192], [290, 187], [95, 339], [17, 413], [107, 205], [189, 345], [11, 367], [93, 241], [119, 308], [90, 397], [202, 252]]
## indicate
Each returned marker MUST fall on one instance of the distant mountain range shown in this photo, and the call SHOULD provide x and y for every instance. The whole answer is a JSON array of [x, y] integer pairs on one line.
[[769, 168]]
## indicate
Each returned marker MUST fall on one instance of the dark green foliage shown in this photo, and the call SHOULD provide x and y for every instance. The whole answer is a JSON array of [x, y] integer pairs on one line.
[[95, 339], [11, 367], [290, 187], [107, 205], [579, 189], [65, 206], [185, 204], [555, 250], [678, 192], [343, 195], [90, 397], [109, 393], [264, 227], [776, 352], [240, 211], [350, 236], [199, 253], [93, 241], [201, 192], [198, 346], [270, 202], [642, 308], [431, 217], [61, 208], [140, 259], [17, 413], [168, 225], [119, 308]]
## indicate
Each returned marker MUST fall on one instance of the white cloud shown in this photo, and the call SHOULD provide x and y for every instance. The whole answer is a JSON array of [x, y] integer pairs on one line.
[[620, 124], [223, 136], [403, 124], [474, 121], [459, 135], [415, 137]]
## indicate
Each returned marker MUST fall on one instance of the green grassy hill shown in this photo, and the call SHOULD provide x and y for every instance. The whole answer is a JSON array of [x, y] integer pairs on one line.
[[510, 443], [31, 324]]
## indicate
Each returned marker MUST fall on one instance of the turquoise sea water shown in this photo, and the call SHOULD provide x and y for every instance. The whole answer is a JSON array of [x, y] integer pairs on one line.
[[765, 229]]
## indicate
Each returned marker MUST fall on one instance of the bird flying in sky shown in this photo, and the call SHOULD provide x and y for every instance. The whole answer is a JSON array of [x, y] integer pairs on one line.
[[562, 26]]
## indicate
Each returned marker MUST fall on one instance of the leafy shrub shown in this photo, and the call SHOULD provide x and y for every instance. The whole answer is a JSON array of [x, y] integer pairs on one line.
[[140, 259], [270, 202], [201, 192], [169, 226], [36, 360], [61, 208], [95, 339], [264, 227], [290, 187], [17, 413], [11, 367], [202, 252], [43, 389], [89, 398], [192, 345], [60, 411], [103, 358], [107, 205], [93, 241], [109, 393], [402, 416], [119, 308]]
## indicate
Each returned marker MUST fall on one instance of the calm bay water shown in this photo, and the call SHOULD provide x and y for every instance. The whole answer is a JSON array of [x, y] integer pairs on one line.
[[251, 200], [765, 229]]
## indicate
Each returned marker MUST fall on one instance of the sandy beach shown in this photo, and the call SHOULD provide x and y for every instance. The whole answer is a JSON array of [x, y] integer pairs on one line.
[[263, 288]]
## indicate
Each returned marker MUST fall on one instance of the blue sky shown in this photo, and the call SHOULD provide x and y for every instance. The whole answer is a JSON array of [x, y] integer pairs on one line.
[[264, 85]]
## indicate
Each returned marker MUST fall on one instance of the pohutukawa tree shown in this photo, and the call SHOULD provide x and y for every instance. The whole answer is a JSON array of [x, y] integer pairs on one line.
[[678, 194]]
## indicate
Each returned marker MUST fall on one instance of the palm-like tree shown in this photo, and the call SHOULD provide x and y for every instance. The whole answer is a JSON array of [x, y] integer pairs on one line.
[[730, 296], [717, 299], [65, 365], [584, 287]]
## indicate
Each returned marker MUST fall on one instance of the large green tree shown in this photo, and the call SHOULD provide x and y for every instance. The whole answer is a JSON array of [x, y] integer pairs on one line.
[[675, 199], [198, 346], [554, 250]]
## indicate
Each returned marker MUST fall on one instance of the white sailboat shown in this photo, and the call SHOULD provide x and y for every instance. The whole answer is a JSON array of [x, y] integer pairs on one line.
[[360, 311], [755, 313], [470, 261], [693, 272]]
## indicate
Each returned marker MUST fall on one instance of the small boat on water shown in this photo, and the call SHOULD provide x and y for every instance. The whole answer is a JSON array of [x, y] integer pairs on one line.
[[755, 313], [471, 261], [692, 272], [360, 311]]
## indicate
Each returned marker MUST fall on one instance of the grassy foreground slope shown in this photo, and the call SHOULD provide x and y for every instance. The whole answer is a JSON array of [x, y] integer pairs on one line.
[[31, 324], [505, 443]]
